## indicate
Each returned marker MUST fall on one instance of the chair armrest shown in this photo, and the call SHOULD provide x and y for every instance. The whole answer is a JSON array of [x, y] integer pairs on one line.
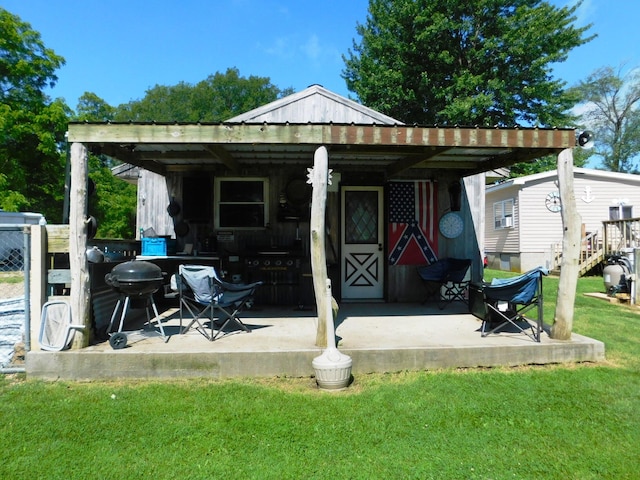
[[238, 287]]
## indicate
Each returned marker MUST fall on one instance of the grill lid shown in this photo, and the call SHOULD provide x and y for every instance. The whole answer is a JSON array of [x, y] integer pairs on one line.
[[134, 271]]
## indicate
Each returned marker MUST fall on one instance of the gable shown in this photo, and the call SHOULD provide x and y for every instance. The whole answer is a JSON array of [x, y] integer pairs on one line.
[[315, 105]]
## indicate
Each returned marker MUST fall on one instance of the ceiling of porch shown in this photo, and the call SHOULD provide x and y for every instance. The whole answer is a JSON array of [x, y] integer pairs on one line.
[[393, 150]]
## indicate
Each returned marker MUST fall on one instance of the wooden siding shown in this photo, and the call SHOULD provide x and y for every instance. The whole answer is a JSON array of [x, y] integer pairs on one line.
[[317, 105]]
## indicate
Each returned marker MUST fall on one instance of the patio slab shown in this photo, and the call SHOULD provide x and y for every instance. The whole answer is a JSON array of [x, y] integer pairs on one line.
[[378, 337]]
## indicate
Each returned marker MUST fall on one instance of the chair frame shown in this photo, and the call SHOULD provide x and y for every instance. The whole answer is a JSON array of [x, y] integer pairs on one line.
[[515, 313], [68, 328], [228, 308], [452, 277]]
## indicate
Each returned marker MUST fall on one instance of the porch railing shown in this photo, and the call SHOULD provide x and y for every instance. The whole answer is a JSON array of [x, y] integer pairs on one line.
[[592, 253], [621, 235]]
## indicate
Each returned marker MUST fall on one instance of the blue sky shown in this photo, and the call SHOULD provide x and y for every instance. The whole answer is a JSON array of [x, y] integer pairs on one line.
[[118, 49]]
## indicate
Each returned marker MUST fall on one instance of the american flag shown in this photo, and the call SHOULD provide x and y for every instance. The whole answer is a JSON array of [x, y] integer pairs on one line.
[[413, 237]]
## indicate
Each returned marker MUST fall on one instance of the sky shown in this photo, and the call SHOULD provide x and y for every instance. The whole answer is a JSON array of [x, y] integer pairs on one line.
[[118, 49]]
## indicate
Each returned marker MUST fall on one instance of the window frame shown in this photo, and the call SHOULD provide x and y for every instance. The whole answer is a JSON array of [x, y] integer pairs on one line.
[[219, 204], [626, 210], [502, 220]]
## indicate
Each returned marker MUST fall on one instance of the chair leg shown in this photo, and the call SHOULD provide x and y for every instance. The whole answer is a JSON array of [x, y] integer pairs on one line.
[[229, 317], [535, 334], [196, 319]]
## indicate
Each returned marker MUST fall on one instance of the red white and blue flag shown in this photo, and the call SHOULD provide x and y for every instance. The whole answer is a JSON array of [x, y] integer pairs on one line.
[[413, 236]]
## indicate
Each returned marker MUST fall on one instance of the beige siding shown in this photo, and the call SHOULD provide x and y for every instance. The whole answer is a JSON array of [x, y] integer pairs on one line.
[[502, 240], [538, 229]]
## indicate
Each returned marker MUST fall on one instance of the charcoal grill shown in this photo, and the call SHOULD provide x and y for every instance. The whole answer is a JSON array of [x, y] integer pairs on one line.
[[135, 282]]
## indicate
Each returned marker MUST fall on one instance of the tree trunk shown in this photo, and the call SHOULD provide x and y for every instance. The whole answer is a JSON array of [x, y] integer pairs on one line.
[[78, 245], [319, 177], [571, 222]]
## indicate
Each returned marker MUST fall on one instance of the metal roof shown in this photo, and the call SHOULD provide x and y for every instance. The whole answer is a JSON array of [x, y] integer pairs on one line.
[[390, 149]]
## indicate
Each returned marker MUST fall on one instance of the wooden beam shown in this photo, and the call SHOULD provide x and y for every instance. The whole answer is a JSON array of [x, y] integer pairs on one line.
[[224, 156], [80, 284], [571, 240], [510, 158], [413, 161], [128, 156], [323, 134]]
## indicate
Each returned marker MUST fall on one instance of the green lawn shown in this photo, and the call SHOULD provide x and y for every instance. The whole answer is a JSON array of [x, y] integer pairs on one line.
[[566, 422]]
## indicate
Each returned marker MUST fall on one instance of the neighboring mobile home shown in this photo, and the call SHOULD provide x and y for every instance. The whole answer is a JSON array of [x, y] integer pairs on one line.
[[523, 227]]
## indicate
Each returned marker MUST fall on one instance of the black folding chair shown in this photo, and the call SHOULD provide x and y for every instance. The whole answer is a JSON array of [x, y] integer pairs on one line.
[[448, 278], [208, 298], [513, 302]]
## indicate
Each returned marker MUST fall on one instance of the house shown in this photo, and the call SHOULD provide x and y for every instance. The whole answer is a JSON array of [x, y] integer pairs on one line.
[[235, 193], [523, 215]]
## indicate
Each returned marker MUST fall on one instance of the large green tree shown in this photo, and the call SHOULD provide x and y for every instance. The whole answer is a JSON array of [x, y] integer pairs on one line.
[[32, 126], [217, 98], [481, 62], [610, 101]]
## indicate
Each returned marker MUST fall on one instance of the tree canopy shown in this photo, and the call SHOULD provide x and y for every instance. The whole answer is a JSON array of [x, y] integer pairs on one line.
[[217, 98], [611, 108], [486, 62], [32, 126]]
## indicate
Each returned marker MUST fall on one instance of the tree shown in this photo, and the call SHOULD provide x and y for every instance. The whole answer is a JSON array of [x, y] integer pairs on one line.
[[215, 99], [32, 126], [611, 101], [486, 62], [92, 108]]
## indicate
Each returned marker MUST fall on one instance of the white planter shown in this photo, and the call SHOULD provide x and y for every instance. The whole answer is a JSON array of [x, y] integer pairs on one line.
[[333, 370]]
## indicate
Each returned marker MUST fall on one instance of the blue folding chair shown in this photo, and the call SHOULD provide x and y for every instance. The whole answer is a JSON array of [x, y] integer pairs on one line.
[[207, 298], [511, 302]]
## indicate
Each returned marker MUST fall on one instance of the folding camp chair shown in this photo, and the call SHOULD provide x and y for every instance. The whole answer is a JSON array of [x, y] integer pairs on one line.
[[450, 276], [56, 329], [510, 303], [205, 296]]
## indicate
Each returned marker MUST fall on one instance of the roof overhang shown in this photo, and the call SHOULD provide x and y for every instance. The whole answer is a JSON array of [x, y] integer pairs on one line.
[[392, 149]]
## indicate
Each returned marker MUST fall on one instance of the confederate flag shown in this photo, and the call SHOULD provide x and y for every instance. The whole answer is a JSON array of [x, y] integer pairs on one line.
[[413, 236]]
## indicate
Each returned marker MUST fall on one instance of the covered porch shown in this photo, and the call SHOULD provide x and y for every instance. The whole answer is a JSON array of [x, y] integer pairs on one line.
[[379, 337]]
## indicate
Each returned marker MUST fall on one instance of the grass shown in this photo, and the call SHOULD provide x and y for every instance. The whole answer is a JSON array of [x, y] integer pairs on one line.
[[560, 421]]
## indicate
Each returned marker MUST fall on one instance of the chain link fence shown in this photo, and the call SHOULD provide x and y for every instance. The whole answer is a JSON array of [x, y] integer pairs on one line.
[[14, 255]]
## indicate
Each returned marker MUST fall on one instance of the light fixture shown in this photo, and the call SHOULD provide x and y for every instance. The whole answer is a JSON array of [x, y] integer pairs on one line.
[[585, 140]]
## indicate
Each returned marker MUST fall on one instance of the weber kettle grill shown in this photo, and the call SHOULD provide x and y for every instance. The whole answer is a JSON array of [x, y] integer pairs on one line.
[[136, 282]]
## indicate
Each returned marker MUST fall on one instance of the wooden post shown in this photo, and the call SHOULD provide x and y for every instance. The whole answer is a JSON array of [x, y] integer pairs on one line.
[[78, 245], [38, 280], [319, 177], [571, 222]]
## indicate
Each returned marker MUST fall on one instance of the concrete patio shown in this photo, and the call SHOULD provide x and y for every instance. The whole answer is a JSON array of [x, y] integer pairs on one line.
[[379, 337]]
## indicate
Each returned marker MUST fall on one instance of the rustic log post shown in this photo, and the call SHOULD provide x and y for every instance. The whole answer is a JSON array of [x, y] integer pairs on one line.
[[319, 177], [78, 227], [571, 222]]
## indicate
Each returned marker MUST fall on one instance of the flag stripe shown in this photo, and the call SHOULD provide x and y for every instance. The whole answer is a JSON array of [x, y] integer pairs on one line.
[[412, 232]]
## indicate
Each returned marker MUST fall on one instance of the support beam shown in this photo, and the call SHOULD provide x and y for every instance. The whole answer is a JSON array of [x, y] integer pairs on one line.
[[319, 177], [571, 223], [80, 307], [225, 157], [409, 162]]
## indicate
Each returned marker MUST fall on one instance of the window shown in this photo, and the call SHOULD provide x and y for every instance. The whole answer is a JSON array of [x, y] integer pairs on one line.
[[620, 212], [503, 214], [241, 202]]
